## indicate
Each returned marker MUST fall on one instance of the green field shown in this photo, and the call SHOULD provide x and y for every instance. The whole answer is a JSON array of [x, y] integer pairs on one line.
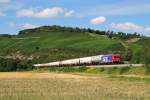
[[57, 40], [54, 86], [53, 46], [55, 43]]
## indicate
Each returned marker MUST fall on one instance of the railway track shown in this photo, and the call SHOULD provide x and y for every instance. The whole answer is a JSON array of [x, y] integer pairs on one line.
[[107, 66], [118, 65]]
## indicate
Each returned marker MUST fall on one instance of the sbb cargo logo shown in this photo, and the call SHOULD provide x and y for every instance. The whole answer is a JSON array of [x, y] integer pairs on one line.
[[107, 59]]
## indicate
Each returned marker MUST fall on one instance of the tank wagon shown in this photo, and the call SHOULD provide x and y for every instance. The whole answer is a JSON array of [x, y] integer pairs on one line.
[[93, 60]]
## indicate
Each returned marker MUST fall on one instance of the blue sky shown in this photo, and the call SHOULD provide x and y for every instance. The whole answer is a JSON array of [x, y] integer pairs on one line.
[[116, 15]]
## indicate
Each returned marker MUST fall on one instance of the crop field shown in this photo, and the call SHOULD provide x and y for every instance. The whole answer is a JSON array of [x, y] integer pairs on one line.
[[54, 86]]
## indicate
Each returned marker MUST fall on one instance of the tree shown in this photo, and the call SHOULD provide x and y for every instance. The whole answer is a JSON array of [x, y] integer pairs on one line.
[[129, 54], [37, 48], [146, 51]]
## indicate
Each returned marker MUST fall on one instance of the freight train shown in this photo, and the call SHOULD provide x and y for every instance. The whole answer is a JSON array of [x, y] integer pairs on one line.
[[93, 60]]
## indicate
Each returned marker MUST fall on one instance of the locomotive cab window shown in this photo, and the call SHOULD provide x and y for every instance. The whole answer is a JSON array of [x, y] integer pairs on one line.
[[115, 56]]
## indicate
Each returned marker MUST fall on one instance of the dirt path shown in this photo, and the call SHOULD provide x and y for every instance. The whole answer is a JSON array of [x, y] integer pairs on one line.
[[133, 40], [134, 76]]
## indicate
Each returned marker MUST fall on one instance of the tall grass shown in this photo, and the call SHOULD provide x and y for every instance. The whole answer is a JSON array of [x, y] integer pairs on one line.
[[84, 69]]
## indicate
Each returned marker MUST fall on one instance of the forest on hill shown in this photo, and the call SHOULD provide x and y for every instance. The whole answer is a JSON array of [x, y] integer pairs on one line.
[[56, 28]]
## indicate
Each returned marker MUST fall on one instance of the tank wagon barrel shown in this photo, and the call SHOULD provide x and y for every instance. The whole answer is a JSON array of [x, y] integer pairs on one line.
[[47, 64], [99, 59]]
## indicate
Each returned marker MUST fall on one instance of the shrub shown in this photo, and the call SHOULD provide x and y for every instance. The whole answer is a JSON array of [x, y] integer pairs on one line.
[[124, 70], [111, 70], [102, 69], [7, 65], [147, 70]]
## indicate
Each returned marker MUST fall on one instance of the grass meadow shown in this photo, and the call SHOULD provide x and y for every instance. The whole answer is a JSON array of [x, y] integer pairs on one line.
[[53, 46], [60, 86]]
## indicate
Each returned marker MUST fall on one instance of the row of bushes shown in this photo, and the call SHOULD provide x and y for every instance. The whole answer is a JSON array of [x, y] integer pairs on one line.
[[7, 65], [113, 70]]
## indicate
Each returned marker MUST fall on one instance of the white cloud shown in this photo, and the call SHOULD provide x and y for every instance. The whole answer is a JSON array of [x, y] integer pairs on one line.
[[130, 27], [2, 14], [98, 20], [132, 8], [69, 13], [45, 13], [12, 24], [25, 12], [148, 29], [127, 26], [29, 26], [22, 26], [4, 1]]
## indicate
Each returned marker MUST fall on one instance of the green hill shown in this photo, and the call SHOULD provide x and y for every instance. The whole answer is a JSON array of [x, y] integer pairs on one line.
[[56, 43]]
